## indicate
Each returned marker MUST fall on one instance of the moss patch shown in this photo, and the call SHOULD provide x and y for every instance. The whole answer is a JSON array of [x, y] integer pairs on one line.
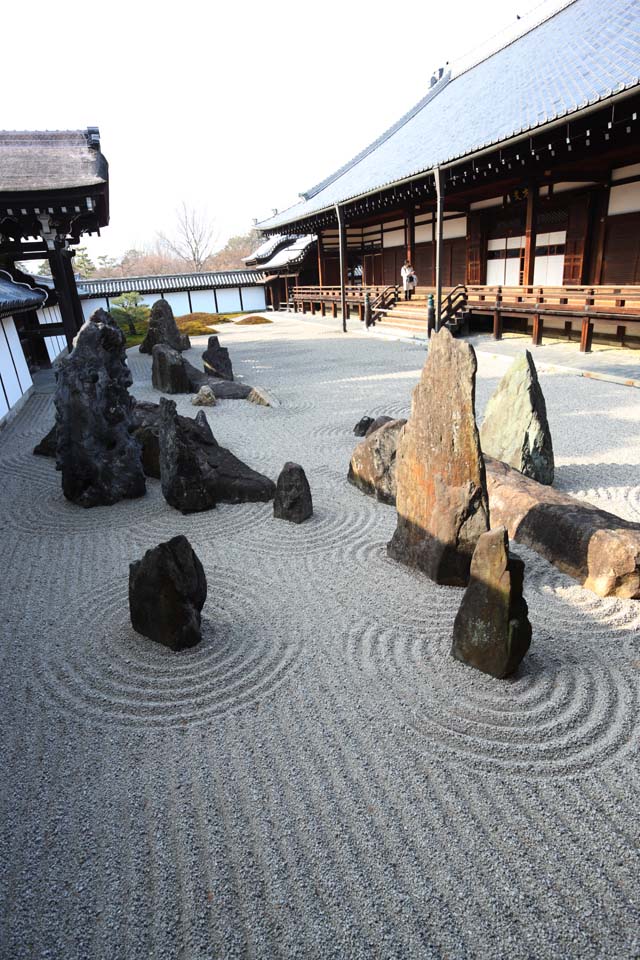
[[252, 319]]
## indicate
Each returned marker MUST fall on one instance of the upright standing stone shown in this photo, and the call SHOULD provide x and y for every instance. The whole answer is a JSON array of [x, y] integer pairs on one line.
[[492, 630], [441, 495], [293, 495], [167, 591], [169, 372], [163, 329], [99, 458], [217, 361], [515, 427]]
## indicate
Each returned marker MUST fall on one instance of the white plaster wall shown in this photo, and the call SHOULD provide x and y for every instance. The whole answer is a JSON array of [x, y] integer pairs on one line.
[[95, 303], [621, 173], [424, 233], [14, 373], [55, 345], [393, 238], [179, 303], [454, 228], [624, 199], [253, 298], [228, 301], [203, 301]]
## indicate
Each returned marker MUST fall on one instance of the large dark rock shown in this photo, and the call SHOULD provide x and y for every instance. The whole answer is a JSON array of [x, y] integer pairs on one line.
[[492, 631], [196, 472], [373, 462], [441, 495], [362, 426], [99, 458], [515, 428], [596, 548], [293, 495], [163, 329], [217, 361], [48, 445], [169, 371], [167, 591]]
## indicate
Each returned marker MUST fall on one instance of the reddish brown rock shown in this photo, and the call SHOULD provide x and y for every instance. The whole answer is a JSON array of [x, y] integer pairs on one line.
[[373, 462], [596, 548], [441, 490], [492, 631]]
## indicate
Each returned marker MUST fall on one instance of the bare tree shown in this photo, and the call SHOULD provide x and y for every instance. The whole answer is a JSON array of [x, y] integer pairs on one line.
[[195, 237]]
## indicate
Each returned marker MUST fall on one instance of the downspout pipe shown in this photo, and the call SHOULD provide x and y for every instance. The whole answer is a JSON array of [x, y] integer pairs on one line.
[[437, 173], [343, 265]]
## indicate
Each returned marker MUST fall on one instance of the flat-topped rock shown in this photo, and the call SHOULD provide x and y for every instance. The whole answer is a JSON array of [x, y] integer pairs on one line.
[[216, 360], [515, 428], [163, 329], [441, 497], [99, 458], [373, 463], [491, 631], [167, 591], [205, 397], [596, 548]]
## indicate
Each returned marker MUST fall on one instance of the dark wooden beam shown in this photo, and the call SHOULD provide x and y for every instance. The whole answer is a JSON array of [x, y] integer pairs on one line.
[[530, 235]]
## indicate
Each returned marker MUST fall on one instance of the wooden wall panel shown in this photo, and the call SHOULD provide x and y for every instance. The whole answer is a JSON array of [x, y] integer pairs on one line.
[[622, 250], [576, 242], [476, 258]]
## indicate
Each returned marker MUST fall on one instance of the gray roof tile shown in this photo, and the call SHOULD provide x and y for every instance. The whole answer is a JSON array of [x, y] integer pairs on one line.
[[580, 55]]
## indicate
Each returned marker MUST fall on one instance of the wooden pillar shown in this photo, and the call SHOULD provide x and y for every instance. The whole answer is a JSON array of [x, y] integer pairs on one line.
[[410, 234], [438, 251], [342, 236], [497, 316], [538, 324], [599, 226], [586, 335], [530, 236], [320, 260], [67, 293], [334, 309]]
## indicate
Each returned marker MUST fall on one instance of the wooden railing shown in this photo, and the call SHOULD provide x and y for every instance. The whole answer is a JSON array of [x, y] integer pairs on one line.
[[314, 298], [609, 304]]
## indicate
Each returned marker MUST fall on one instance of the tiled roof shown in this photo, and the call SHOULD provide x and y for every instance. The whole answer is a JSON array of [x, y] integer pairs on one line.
[[173, 283], [34, 160], [292, 254], [17, 297], [584, 53], [268, 248]]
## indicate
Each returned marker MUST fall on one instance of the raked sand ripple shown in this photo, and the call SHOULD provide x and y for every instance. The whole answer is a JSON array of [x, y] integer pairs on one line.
[[318, 779]]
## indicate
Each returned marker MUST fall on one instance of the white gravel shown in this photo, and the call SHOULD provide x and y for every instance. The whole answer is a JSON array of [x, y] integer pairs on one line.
[[318, 779]]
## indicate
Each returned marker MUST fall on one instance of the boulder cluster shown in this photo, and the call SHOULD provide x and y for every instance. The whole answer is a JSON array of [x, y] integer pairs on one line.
[[106, 444]]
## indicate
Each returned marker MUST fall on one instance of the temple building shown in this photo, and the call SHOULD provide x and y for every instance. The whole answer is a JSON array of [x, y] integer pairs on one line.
[[513, 187], [54, 189]]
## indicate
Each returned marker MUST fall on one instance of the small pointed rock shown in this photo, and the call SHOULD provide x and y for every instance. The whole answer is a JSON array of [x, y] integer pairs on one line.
[[205, 397], [492, 631], [293, 495]]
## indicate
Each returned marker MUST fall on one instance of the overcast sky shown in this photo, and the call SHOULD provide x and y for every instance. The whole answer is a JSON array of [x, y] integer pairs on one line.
[[234, 107]]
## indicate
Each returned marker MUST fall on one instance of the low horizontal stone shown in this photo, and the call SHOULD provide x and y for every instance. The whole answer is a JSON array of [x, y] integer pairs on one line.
[[596, 548]]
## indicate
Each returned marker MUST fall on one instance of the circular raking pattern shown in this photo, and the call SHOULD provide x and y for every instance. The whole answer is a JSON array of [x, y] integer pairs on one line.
[[95, 665]]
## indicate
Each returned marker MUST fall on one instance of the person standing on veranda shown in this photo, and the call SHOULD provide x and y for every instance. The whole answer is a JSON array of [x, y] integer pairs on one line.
[[409, 279]]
